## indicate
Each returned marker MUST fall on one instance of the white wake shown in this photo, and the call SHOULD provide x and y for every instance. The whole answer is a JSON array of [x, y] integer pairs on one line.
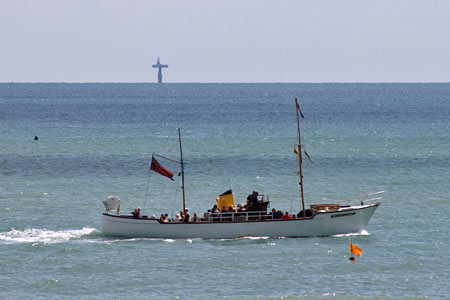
[[364, 232], [35, 235]]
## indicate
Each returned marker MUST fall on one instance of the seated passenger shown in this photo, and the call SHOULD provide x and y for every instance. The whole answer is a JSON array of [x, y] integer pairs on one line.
[[196, 218], [279, 214], [187, 217], [215, 209], [177, 218], [286, 216], [225, 214], [135, 213], [139, 214], [273, 213]]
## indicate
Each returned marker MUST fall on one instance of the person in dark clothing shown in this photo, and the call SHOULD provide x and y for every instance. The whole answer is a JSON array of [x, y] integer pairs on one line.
[[187, 217], [215, 209], [273, 213], [252, 199], [278, 214]]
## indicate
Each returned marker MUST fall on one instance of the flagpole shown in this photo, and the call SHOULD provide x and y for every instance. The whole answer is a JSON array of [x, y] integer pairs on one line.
[[182, 171], [300, 159]]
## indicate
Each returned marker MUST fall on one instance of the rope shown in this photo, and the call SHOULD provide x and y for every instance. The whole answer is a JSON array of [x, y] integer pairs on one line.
[[175, 198]]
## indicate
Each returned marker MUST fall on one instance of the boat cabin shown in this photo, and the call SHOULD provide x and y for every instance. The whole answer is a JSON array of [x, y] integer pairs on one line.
[[254, 210]]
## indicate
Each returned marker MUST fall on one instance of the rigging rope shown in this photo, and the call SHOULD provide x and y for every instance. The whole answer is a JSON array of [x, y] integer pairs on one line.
[[175, 198], [148, 184]]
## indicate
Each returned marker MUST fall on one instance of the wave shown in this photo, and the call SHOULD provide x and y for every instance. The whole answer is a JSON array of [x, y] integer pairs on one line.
[[364, 232], [89, 234], [35, 235]]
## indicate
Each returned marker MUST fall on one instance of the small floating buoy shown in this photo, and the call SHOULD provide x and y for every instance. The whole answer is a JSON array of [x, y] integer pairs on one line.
[[352, 258], [36, 138]]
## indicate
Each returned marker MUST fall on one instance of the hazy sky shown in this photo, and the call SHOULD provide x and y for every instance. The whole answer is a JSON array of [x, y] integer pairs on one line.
[[225, 41]]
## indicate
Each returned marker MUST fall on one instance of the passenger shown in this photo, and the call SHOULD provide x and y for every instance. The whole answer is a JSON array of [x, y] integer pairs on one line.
[[215, 213], [286, 216], [273, 213], [186, 218], [177, 218], [224, 214], [231, 212], [135, 213], [196, 218], [215, 209], [279, 214], [161, 218], [166, 218], [153, 217], [252, 199], [139, 213]]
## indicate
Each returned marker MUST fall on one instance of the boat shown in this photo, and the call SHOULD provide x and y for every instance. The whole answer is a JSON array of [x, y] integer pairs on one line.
[[254, 220]]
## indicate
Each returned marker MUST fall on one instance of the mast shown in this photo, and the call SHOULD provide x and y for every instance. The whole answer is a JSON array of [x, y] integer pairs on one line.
[[300, 158], [182, 171]]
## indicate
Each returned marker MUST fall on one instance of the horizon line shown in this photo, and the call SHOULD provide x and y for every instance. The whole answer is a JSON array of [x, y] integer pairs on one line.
[[218, 82]]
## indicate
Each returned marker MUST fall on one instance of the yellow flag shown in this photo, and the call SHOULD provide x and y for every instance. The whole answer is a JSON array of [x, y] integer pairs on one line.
[[355, 250], [304, 151]]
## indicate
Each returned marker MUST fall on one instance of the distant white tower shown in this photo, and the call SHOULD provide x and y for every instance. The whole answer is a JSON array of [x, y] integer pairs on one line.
[[159, 66]]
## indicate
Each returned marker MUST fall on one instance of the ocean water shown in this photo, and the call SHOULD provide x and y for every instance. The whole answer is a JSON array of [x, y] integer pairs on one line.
[[97, 140]]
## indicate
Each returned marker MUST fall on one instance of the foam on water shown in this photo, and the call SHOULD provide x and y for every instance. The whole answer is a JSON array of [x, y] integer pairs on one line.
[[36, 235], [256, 237], [363, 232], [111, 240]]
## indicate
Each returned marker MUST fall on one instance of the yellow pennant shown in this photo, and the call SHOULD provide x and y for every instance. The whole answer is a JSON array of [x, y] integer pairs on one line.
[[304, 151]]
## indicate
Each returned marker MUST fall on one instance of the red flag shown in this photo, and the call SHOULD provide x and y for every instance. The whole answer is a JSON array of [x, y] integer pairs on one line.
[[355, 249], [155, 166]]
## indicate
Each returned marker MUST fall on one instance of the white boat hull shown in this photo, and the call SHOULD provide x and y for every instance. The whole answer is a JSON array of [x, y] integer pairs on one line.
[[342, 221]]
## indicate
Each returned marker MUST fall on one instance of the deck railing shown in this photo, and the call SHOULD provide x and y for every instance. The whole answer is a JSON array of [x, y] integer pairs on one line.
[[369, 198], [237, 216]]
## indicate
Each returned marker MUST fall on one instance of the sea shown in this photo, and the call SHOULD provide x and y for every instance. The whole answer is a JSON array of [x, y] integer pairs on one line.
[[97, 139]]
